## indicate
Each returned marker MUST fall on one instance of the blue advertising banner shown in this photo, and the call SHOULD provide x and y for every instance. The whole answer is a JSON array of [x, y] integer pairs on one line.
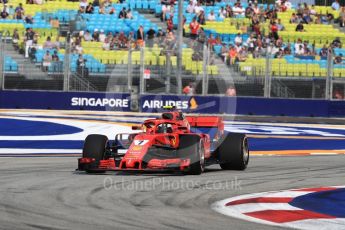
[[154, 103], [194, 104], [64, 100], [282, 107]]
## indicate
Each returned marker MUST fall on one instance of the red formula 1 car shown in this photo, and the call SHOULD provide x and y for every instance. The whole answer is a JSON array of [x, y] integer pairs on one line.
[[171, 142]]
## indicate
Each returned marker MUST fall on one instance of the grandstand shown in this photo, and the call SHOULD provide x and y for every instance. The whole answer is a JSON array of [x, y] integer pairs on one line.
[[99, 46]]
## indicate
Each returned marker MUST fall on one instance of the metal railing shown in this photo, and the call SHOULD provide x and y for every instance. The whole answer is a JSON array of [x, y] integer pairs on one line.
[[154, 69]]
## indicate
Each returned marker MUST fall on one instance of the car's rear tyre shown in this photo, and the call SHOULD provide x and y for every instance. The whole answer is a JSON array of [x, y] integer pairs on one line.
[[94, 147], [233, 152], [191, 146]]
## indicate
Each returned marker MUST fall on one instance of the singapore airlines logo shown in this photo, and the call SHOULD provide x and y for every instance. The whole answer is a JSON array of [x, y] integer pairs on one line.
[[193, 103]]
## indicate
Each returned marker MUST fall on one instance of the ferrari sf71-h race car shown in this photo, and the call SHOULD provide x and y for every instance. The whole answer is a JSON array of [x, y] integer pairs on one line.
[[171, 142]]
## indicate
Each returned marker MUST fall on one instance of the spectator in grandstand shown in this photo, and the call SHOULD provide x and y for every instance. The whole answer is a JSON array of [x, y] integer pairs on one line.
[[82, 6], [47, 58], [336, 5], [95, 36], [299, 50], [170, 41], [150, 37], [194, 28], [317, 19], [328, 19], [198, 9], [166, 7], [224, 52], [272, 49], [274, 30], [256, 25], [190, 7], [338, 94], [324, 51], [19, 12], [222, 12], [129, 14], [11, 11], [76, 46], [231, 92], [89, 9], [4, 12], [342, 17], [338, 59], [56, 64], [299, 9], [270, 13], [280, 26], [307, 51], [123, 13], [211, 16], [201, 18], [87, 36], [336, 43], [102, 36], [55, 56], [29, 20], [101, 9], [298, 46], [211, 41], [238, 39], [29, 37], [306, 15], [123, 41], [106, 44], [48, 44], [259, 50], [170, 24], [251, 41], [160, 37], [202, 38], [242, 54], [189, 90], [15, 39], [218, 40], [238, 9], [256, 9], [81, 66], [300, 27], [229, 12], [140, 37], [249, 12], [279, 42], [294, 18], [114, 42], [232, 55], [287, 49]]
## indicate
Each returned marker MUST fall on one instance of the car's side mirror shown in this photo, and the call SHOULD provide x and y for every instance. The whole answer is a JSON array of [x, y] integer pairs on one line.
[[136, 127]]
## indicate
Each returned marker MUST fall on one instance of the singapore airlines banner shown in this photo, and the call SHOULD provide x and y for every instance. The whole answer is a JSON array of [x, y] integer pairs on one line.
[[154, 103], [62, 100]]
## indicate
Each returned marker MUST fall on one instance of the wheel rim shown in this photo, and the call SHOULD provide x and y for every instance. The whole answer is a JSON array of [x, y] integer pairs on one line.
[[245, 151]]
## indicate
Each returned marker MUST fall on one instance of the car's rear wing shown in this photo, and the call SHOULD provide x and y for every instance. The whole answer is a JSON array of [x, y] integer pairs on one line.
[[212, 125]]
